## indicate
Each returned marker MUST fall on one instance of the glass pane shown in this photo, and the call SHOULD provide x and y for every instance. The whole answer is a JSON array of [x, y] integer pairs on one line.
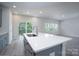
[[50, 27], [22, 28], [29, 27]]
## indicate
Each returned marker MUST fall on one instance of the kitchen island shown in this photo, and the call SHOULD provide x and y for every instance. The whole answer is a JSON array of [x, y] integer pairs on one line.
[[44, 44]]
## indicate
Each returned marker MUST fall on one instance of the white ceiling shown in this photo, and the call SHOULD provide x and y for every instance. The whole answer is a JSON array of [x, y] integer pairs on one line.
[[56, 10]]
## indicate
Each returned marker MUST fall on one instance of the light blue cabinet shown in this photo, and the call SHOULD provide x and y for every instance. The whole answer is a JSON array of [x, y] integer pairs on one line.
[[4, 40]]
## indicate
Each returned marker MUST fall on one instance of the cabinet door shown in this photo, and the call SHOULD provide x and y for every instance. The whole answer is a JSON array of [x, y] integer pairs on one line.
[[1, 43], [27, 49], [56, 50], [5, 41], [0, 16]]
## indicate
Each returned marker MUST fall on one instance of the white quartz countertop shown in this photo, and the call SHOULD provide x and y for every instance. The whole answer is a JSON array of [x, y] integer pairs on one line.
[[44, 41]]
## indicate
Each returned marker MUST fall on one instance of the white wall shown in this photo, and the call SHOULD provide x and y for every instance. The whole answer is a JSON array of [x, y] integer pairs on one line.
[[70, 27], [35, 21]]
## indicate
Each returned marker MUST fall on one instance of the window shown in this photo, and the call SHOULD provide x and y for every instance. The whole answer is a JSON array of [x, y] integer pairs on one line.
[[22, 27], [51, 27], [25, 27], [29, 27]]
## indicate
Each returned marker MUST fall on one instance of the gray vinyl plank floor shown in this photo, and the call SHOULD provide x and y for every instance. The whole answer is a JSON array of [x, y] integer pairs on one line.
[[16, 48]]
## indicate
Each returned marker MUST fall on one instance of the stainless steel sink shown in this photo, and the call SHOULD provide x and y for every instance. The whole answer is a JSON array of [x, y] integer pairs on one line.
[[31, 35]]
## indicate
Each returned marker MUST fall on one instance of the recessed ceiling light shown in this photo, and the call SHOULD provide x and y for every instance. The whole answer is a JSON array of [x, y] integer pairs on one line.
[[62, 15], [28, 12], [14, 6], [41, 12]]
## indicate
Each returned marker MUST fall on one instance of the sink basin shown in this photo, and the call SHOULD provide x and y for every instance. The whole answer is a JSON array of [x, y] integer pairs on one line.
[[31, 35]]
